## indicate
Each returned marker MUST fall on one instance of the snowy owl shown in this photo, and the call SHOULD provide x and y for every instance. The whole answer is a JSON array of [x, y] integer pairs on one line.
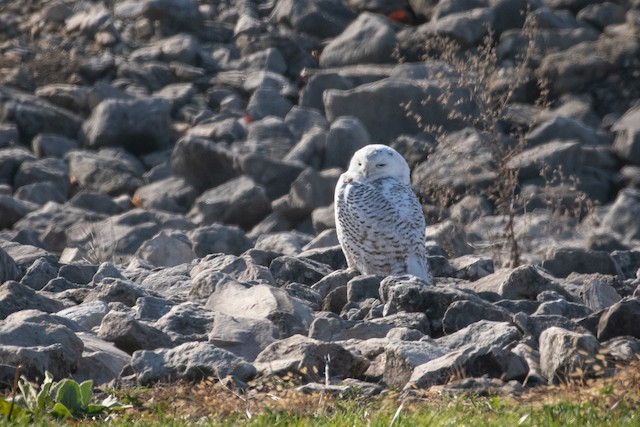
[[379, 219]]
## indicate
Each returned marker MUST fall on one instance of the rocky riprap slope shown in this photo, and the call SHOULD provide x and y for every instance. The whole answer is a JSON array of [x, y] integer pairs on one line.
[[166, 181]]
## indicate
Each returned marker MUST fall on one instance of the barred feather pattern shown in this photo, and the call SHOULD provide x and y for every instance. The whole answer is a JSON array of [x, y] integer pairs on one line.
[[380, 225]]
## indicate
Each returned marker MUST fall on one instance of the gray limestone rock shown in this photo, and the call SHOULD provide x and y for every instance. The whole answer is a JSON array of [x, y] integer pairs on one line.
[[202, 163], [88, 315], [40, 193], [336, 329], [190, 362], [274, 175], [463, 163], [120, 236], [473, 360], [369, 39], [628, 262], [620, 319], [71, 97], [482, 333], [524, 282], [39, 274], [186, 322], [563, 352], [8, 268], [10, 160], [472, 267], [111, 289], [12, 210], [286, 269], [239, 201], [25, 254], [152, 308], [621, 216], [286, 242], [561, 307], [266, 102], [218, 238], [171, 194], [311, 190], [101, 361], [408, 293], [563, 261], [33, 115], [573, 69], [309, 357], [467, 28], [15, 297], [463, 313], [323, 19], [51, 170], [138, 125], [388, 108], [104, 172], [242, 336], [290, 315], [40, 342], [129, 334], [267, 136], [243, 269], [301, 120], [167, 250], [346, 135], [627, 142], [402, 357]]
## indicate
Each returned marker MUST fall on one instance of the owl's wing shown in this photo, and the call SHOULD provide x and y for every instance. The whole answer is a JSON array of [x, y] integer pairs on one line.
[[382, 224]]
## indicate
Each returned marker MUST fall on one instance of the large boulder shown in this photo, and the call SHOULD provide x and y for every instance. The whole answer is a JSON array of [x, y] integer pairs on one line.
[[202, 163], [627, 142], [33, 115], [621, 216], [263, 302], [394, 106], [186, 322], [563, 353], [239, 201], [242, 336], [473, 360], [130, 334], [524, 282], [167, 249], [138, 125], [190, 361], [101, 361], [462, 163], [402, 357], [620, 319], [40, 342], [8, 267], [108, 171], [310, 357], [369, 39], [15, 297], [323, 19]]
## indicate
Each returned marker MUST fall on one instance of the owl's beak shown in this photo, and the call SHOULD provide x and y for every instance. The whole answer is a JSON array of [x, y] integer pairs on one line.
[[364, 171]]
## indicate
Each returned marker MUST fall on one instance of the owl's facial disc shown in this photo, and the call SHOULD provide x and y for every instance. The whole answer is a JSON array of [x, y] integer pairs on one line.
[[376, 164], [379, 161]]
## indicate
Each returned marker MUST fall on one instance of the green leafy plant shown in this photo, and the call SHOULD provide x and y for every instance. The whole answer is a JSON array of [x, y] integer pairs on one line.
[[62, 399]]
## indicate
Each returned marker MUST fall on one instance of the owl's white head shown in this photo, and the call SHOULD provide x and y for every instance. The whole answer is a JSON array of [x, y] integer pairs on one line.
[[377, 161]]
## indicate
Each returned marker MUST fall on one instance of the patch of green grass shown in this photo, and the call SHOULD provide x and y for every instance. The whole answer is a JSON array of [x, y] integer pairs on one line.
[[459, 411], [609, 401], [482, 412]]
